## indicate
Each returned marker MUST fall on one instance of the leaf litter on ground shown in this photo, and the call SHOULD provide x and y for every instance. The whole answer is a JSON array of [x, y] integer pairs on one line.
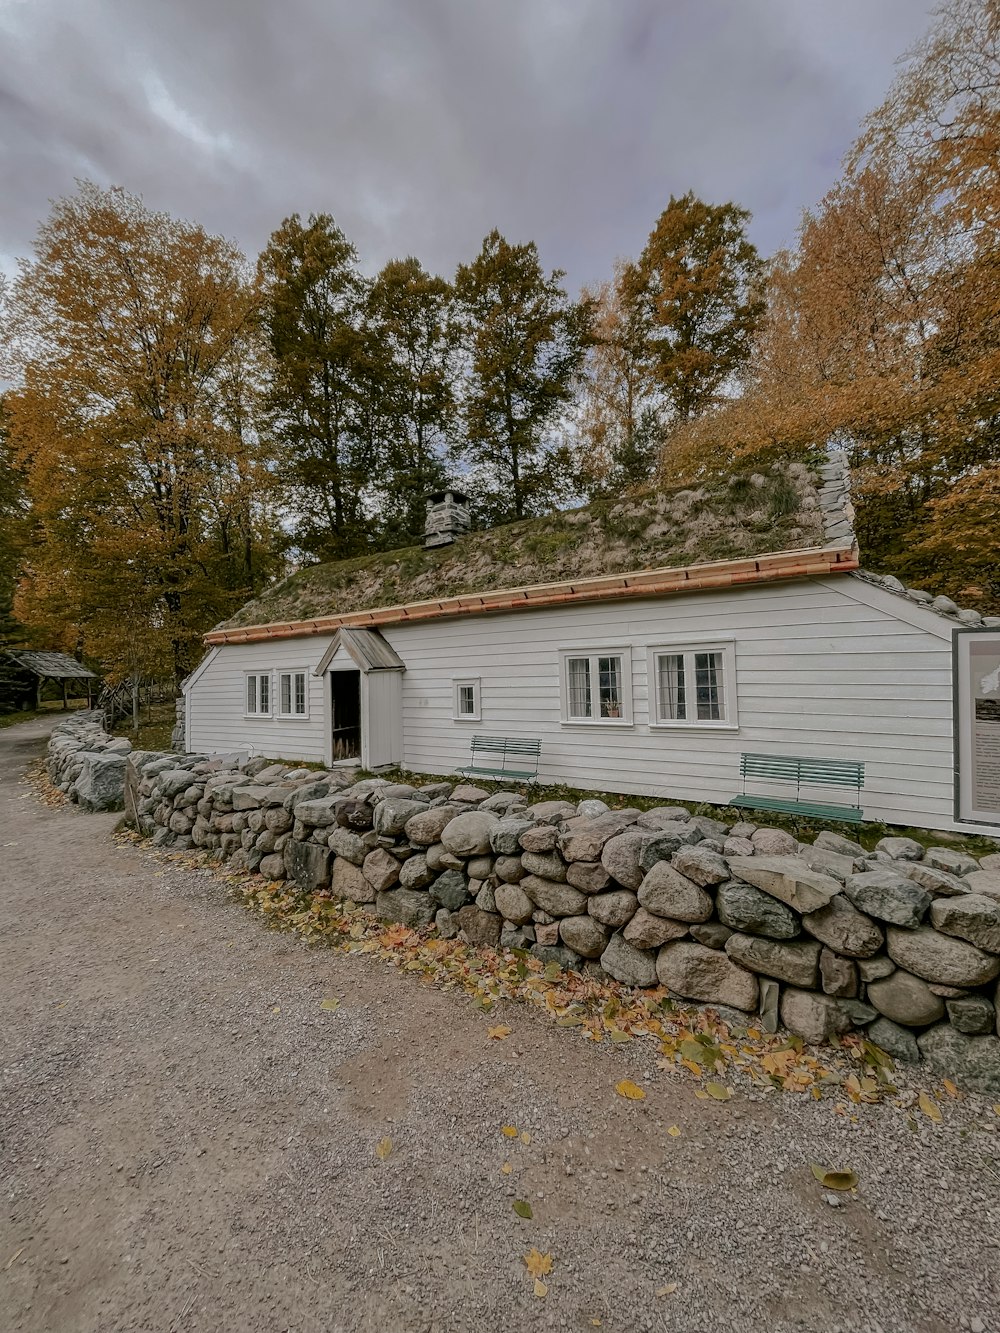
[[849, 1070]]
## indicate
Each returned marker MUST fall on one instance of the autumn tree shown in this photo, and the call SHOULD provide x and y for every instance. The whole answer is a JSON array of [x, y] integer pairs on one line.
[[698, 287], [524, 342], [883, 326], [320, 393], [132, 339], [412, 378], [619, 425]]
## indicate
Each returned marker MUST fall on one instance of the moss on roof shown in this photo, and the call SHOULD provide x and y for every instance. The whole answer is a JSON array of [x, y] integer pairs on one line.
[[723, 518]]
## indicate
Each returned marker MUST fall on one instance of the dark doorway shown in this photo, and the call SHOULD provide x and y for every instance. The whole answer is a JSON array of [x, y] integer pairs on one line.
[[345, 687]]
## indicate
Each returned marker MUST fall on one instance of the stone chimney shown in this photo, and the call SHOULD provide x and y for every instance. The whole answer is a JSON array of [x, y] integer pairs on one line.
[[448, 518]]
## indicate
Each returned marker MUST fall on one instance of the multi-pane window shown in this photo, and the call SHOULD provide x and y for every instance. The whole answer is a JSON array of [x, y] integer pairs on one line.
[[466, 701], [595, 687], [258, 685], [693, 686], [292, 697]]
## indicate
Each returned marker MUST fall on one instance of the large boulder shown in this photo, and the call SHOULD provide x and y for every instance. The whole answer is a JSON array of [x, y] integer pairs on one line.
[[505, 834], [513, 903], [906, 999], [941, 883], [796, 962], [554, 898], [951, 860], [408, 906], [940, 958], [985, 882], [426, 826], [900, 849], [889, 896], [587, 876], [415, 873], [480, 927], [630, 966], [830, 863], [584, 935], [973, 1062], [786, 878], [698, 973], [897, 1041], [393, 812], [969, 916], [647, 931], [614, 909], [666, 892], [842, 927], [812, 1017], [348, 883], [101, 783], [549, 865], [450, 890], [700, 865], [972, 1014], [754, 912], [380, 869], [583, 838], [621, 857], [318, 813], [307, 864], [351, 846], [469, 834]]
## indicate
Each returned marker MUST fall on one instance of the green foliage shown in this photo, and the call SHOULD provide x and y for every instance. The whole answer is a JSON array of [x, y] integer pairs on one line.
[[525, 342], [699, 285], [319, 384], [413, 340]]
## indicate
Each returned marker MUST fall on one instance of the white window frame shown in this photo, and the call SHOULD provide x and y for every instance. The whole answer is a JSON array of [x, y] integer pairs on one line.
[[687, 649], [291, 673], [258, 676], [593, 654], [457, 684]]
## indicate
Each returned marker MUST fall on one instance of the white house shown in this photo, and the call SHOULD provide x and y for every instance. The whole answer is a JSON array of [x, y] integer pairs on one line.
[[652, 681]]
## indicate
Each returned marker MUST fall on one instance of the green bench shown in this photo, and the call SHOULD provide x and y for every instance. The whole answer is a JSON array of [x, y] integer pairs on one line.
[[774, 768], [496, 757]]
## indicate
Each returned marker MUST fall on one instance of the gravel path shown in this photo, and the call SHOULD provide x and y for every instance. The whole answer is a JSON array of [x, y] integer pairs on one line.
[[187, 1142]]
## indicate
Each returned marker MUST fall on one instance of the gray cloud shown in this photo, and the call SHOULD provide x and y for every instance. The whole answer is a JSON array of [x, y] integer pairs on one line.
[[421, 124]]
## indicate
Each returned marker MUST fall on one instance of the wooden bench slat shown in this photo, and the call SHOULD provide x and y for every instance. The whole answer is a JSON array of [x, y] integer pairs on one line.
[[517, 747], [801, 770]]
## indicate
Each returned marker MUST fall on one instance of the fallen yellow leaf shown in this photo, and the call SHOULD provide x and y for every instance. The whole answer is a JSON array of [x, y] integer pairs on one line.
[[834, 1179], [538, 1264], [330, 1004], [500, 1033], [525, 1136], [719, 1091], [674, 1131], [383, 1148], [929, 1108], [949, 1087], [506, 1169], [509, 1131], [540, 1288], [626, 1088], [668, 1290]]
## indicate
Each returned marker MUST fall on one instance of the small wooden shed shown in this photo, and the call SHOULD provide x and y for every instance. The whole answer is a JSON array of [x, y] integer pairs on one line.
[[39, 667]]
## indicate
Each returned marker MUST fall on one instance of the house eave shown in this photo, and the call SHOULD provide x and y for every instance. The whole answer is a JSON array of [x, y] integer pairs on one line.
[[810, 562]]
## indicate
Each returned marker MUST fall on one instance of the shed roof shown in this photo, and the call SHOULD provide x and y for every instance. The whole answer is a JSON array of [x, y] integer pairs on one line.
[[789, 520], [55, 666], [367, 647]]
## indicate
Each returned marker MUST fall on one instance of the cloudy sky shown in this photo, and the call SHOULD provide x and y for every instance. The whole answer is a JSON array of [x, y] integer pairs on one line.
[[421, 124]]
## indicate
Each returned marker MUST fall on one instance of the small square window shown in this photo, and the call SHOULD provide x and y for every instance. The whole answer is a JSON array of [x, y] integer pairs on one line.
[[293, 698], [596, 687], [258, 694], [693, 686], [466, 700]]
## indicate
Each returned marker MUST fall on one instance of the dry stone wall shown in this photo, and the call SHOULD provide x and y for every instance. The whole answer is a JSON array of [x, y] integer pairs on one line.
[[819, 938], [86, 763]]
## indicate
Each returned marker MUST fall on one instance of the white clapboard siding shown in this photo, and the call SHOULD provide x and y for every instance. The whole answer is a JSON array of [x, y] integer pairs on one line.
[[825, 668], [831, 668], [216, 702]]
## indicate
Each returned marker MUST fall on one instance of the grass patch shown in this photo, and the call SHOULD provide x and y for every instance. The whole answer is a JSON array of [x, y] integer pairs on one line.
[[156, 723]]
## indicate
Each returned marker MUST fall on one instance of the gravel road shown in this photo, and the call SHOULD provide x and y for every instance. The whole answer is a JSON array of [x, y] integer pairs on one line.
[[187, 1142]]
